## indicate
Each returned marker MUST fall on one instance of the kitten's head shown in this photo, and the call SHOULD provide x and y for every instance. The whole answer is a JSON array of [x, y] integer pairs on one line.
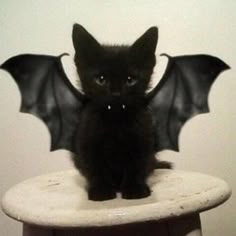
[[114, 71]]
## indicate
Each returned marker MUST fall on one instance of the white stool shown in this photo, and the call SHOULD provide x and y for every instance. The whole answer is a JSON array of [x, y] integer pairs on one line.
[[56, 205]]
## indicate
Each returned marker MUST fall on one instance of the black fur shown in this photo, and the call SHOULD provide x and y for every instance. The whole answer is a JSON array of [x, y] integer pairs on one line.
[[115, 136]]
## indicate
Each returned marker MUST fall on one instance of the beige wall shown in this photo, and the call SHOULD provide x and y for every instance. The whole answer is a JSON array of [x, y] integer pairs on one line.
[[185, 27]]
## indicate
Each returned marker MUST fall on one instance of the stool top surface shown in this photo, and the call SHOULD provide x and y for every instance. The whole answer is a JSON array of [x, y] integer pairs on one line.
[[60, 200]]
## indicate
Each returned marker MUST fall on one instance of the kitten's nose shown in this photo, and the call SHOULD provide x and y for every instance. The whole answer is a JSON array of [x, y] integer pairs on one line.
[[115, 94]]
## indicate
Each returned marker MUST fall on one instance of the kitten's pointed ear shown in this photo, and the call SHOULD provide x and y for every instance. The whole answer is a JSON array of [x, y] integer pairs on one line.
[[86, 46], [144, 47]]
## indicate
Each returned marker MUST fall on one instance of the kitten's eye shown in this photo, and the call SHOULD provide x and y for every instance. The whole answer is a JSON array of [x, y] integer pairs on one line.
[[131, 81], [100, 80]]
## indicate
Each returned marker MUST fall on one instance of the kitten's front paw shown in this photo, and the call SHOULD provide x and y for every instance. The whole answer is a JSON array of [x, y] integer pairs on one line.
[[136, 191], [101, 194]]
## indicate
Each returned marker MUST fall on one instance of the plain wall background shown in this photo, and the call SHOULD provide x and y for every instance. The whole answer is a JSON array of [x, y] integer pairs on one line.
[[185, 27]]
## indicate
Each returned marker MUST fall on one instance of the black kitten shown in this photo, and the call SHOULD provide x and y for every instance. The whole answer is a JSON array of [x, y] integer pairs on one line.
[[115, 137]]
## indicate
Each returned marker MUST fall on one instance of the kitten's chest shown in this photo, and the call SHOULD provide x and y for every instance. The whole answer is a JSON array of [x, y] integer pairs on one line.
[[123, 130]]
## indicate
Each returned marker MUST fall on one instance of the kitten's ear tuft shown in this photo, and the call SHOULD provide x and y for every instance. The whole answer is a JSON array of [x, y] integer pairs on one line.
[[86, 46], [145, 45]]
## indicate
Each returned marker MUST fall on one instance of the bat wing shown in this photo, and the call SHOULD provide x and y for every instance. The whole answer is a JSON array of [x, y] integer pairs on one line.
[[181, 94], [48, 94]]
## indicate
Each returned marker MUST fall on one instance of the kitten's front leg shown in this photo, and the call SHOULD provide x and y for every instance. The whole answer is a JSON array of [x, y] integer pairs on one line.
[[135, 191], [100, 187], [100, 191], [134, 184]]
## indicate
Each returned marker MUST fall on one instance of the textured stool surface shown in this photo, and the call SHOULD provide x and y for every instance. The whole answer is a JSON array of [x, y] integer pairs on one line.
[[60, 200]]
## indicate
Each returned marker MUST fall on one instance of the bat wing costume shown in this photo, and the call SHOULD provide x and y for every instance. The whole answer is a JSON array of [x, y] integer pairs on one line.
[[47, 93]]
